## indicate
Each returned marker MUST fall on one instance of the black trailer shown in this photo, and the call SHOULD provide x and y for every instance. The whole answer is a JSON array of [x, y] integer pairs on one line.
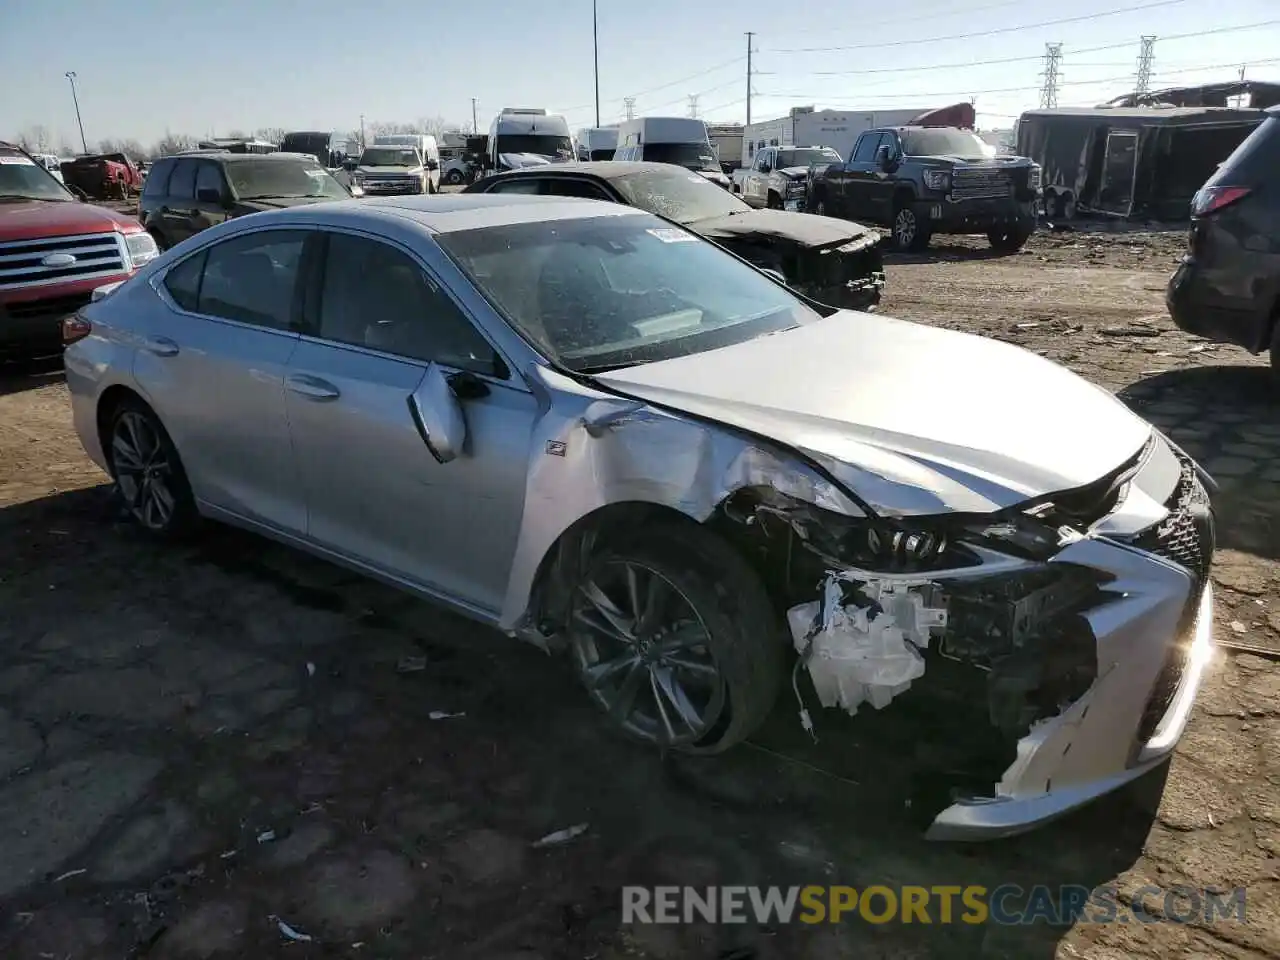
[[1143, 162]]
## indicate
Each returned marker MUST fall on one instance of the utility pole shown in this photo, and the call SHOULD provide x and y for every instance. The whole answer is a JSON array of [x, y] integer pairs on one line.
[[1146, 56], [750, 37], [362, 133], [71, 75], [1052, 60], [595, 54], [629, 104], [475, 127], [693, 105]]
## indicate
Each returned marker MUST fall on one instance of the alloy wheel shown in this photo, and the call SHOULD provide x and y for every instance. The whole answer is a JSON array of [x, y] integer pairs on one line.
[[821, 208], [143, 471], [904, 227], [644, 654]]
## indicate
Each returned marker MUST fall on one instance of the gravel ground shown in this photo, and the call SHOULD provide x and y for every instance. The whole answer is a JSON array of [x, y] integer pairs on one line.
[[196, 744]]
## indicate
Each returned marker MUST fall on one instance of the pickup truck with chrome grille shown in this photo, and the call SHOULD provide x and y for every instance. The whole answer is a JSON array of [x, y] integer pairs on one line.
[[55, 250], [921, 181]]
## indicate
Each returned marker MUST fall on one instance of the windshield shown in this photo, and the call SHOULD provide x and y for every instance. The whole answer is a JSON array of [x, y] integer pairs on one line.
[[806, 158], [678, 195], [280, 179], [605, 292], [24, 179], [606, 154], [943, 143], [543, 144], [694, 156], [389, 157]]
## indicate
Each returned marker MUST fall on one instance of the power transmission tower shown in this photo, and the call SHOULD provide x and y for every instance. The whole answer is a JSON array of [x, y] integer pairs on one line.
[[750, 37], [1052, 61], [629, 104], [693, 105], [1146, 56]]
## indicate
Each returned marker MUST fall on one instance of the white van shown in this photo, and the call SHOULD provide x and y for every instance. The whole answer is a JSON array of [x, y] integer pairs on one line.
[[528, 137], [679, 140], [426, 146], [597, 143]]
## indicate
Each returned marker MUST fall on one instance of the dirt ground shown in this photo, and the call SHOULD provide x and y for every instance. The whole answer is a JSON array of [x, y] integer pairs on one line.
[[198, 744]]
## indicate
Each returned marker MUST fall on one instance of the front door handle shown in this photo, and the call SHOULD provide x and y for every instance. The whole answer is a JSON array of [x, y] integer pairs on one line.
[[160, 346], [313, 388]]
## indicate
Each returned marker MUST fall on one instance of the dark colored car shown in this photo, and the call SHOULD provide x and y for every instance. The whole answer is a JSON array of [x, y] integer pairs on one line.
[[922, 181], [832, 261], [1227, 286], [190, 192]]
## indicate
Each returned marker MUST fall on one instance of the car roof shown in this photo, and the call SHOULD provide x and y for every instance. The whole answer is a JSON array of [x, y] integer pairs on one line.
[[604, 169], [227, 155], [446, 213]]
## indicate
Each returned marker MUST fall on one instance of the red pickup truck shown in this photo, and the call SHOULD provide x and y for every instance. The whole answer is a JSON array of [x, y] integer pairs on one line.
[[55, 250]]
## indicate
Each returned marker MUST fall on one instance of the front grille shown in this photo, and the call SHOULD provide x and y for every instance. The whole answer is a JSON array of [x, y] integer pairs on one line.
[[980, 183], [392, 186], [55, 308], [1185, 537], [23, 262]]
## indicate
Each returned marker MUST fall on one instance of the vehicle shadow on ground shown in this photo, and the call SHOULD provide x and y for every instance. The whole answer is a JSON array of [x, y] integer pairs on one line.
[[940, 252], [1228, 418], [526, 755], [22, 375]]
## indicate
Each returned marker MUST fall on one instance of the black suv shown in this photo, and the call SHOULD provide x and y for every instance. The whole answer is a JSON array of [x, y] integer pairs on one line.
[[190, 192], [919, 181], [1227, 287]]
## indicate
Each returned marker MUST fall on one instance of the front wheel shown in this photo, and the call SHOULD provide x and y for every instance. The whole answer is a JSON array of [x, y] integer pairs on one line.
[[910, 229], [453, 177], [148, 472], [674, 638]]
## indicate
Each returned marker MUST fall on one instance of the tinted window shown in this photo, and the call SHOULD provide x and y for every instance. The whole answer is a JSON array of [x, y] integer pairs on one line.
[[517, 186], [252, 278], [262, 179], [943, 142], [182, 183], [376, 296], [1254, 161], [806, 158], [865, 151], [575, 187], [157, 178], [183, 281], [209, 177], [609, 291]]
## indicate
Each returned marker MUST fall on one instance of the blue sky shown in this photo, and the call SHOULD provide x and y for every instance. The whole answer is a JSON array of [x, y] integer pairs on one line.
[[147, 66]]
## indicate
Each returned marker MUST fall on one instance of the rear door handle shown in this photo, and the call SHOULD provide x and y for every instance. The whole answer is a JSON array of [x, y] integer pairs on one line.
[[313, 388], [160, 346]]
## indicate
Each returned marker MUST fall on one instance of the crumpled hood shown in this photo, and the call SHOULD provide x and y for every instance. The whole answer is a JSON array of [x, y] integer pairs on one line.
[[914, 420], [805, 229], [42, 218], [514, 161], [794, 173]]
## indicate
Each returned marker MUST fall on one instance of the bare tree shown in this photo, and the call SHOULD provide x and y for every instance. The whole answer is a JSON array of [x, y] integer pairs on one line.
[[172, 143], [65, 149], [270, 134], [35, 139]]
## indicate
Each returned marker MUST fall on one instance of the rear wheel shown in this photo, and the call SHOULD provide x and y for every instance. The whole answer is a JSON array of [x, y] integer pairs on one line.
[[1009, 241], [148, 471], [674, 638], [453, 177]]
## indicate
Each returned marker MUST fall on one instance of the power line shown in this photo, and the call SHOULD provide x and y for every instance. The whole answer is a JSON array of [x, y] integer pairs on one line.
[[693, 106], [962, 11], [953, 92], [1082, 18]]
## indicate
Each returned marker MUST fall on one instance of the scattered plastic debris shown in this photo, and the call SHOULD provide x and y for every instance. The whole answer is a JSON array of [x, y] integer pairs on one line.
[[1238, 627], [445, 715], [311, 669], [411, 665], [562, 836], [228, 854], [1134, 331], [291, 933], [69, 874], [266, 836]]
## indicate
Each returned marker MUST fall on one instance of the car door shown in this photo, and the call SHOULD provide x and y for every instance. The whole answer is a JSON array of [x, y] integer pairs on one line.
[[178, 208], [881, 185], [757, 188], [859, 175], [211, 196], [213, 368], [381, 331]]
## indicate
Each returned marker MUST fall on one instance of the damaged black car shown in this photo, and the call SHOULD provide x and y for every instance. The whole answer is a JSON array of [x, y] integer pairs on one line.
[[835, 262]]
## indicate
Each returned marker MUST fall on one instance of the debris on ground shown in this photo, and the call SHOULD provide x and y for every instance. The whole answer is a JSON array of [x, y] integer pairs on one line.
[[291, 933], [562, 836], [411, 665], [445, 715]]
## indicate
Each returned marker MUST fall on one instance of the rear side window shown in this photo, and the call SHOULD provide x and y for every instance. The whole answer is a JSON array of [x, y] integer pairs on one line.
[[575, 187], [1254, 161], [157, 179], [182, 183], [209, 177], [253, 278], [183, 281]]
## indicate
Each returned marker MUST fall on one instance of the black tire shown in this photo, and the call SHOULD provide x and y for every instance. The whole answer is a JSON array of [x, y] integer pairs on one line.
[[454, 177], [1009, 241], [166, 469], [911, 229], [774, 201], [1275, 350], [820, 206], [744, 634]]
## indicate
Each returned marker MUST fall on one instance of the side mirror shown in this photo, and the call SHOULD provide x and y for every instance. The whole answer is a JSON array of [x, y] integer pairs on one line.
[[349, 165], [433, 164], [765, 168], [209, 195], [437, 413], [884, 157], [776, 274]]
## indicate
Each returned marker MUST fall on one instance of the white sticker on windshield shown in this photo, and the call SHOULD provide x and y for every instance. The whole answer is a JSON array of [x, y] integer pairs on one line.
[[17, 161], [672, 235]]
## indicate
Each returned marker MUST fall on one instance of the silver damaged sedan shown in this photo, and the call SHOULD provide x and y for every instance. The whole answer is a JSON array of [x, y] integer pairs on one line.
[[592, 429]]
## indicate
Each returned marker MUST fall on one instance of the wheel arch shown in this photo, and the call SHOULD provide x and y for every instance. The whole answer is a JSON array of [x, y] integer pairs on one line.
[[903, 194]]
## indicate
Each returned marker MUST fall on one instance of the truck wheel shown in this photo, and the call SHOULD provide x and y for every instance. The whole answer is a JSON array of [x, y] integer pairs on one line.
[[774, 202], [1009, 241], [453, 177], [675, 639], [910, 229], [820, 206]]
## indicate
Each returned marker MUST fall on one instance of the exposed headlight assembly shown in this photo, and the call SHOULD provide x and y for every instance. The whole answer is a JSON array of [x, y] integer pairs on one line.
[[141, 248]]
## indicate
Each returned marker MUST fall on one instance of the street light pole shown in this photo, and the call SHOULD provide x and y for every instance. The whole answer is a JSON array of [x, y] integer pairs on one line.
[[71, 75], [475, 127], [595, 55]]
